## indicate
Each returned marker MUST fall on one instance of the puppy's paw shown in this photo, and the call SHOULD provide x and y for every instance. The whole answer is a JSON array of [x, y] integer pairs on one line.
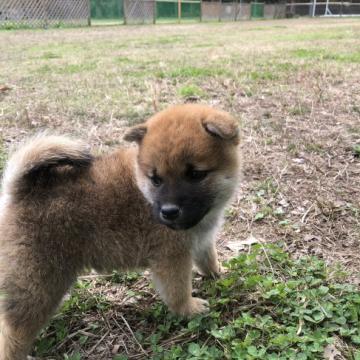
[[220, 271], [215, 272], [193, 307]]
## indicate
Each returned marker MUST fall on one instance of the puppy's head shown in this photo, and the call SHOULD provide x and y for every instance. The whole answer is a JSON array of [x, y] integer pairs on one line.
[[187, 163]]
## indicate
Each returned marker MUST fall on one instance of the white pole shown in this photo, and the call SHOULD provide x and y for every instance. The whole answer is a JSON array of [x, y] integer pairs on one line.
[[327, 11], [314, 8]]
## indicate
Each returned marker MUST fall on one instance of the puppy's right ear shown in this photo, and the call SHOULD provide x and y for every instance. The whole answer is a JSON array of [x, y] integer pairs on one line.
[[136, 133]]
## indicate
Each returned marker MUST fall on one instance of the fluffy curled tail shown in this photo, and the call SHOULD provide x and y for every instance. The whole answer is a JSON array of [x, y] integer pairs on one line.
[[39, 161]]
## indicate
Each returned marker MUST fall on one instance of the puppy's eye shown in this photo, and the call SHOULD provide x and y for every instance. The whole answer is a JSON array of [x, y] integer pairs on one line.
[[156, 180], [196, 175]]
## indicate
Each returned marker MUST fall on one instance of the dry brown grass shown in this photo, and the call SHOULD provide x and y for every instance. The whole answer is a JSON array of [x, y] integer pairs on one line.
[[295, 85]]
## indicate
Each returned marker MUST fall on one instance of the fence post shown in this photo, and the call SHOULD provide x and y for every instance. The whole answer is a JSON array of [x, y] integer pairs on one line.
[[220, 8], [123, 10], [46, 14], [124, 6], [179, 11], [200, 10], [143, 11], [154, 12], [89, 12], [119, 8]]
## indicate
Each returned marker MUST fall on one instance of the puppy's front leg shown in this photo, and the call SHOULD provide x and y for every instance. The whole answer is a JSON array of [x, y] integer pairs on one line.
[[205, 257], [172, 278]]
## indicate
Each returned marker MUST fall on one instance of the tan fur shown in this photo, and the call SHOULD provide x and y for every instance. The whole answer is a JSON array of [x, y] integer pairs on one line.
[[61, 212]]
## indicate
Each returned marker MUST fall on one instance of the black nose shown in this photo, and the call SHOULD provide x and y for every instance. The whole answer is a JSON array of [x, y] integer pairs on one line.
[[169, 211]]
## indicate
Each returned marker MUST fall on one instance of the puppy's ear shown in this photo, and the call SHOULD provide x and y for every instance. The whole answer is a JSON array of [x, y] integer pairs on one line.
[[222, 126], [136, 133]]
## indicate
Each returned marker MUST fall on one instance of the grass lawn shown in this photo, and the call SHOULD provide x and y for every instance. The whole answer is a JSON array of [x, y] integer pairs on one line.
[[295, 87]]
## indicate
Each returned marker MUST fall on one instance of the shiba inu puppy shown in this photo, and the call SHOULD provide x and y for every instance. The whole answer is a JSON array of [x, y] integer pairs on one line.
[[156, 205]]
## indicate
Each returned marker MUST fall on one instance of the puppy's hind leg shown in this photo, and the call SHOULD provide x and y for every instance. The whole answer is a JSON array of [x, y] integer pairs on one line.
[[11, 347], [172, 278], [26, 303]]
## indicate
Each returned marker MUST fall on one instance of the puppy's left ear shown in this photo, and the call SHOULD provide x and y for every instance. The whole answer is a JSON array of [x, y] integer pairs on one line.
[[223, 126], [136, 133]]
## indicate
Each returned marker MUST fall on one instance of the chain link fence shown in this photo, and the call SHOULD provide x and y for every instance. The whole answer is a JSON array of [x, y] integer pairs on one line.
[[43, 13], [323, 8], [47, 13], [228, 11], [152, 11], [139, 11]]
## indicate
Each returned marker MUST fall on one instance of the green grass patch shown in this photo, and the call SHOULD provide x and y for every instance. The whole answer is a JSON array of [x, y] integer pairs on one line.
[[321, 54], [270, 307], [263, 75], [267, 306], [122, 60], [50, 55], [190, 90], [269, 71], [307, 53], [67, 68], [356, 150], [314, 148], [72, 310], [300, 110], [285, 67], [205, 45], [353, 57], [76, 68], [11, 26], [165, 40], [127, 278], [187, 72]]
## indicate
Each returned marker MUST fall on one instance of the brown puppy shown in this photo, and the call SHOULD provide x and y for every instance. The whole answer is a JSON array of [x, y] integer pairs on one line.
[[157, 205]]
